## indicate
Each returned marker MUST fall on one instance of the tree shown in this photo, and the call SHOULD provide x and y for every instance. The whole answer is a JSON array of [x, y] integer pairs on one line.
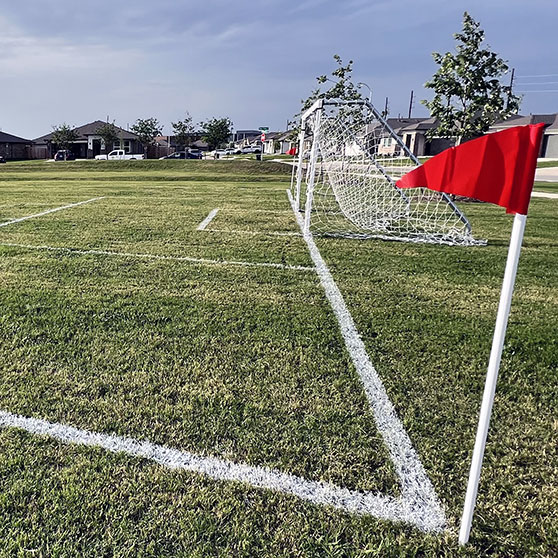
[[63, 136], [342, 89], [147, 130], [216, 131], [182, 131], [108, 133], [468, 94]]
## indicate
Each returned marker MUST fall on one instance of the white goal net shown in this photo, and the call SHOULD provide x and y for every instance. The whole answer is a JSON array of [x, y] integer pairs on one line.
[[345, 181]]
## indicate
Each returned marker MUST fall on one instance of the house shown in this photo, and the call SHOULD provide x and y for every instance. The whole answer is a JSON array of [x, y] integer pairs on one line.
[[549, 144], [88, 143], [168, 144], [279, 142], [14, 147], [245, 137], [412, 132]]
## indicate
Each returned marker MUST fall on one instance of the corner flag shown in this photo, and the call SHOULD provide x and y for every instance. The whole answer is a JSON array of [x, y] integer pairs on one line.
[[497, 168]]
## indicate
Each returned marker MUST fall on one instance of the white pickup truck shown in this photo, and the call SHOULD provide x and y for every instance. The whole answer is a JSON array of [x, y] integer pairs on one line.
[[119, 155]]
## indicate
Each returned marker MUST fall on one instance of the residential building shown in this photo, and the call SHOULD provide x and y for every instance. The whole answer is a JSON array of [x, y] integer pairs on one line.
[[88, 143], [245, 137], [278, 143], [412, 132], [168, 144], [13, 147], [549, 144]]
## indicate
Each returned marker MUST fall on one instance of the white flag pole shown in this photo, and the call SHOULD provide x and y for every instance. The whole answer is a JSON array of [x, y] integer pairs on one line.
[[492, 375]]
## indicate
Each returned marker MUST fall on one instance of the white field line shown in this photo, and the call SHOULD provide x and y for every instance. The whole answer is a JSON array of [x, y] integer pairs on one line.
[[156, 257], [245, 210], [548, 195], [236, 231], [320, 493], [416, 488], [18, 220], [208, 219]]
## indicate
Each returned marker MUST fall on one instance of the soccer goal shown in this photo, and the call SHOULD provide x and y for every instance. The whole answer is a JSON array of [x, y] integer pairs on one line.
[[345, 180]]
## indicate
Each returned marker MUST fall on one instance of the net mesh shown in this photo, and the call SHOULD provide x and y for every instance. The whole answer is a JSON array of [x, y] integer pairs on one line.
[[358, 161]]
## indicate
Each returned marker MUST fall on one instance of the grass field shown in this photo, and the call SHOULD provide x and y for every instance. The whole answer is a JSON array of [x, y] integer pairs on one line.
[[545, 164], [551, 187], [111, 323]]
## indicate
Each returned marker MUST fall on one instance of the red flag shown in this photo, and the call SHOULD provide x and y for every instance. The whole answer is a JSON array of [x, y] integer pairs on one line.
[[497, 168]]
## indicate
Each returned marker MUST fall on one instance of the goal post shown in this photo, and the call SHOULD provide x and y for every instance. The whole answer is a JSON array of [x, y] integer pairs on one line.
[[346, 183]]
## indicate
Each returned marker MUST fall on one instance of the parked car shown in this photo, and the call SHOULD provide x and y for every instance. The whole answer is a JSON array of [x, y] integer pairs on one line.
[[120, 155], [191, 154], [2, 160], [175, 155], [218, 153], [64, 155], [251, 149], [194, 154]]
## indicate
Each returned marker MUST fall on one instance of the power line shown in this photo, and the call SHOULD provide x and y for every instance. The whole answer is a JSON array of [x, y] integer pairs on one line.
[[541, 91], [539, 75], [538, 83]]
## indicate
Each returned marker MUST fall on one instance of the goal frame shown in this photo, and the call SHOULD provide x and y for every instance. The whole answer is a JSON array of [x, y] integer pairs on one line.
[[316, 111]]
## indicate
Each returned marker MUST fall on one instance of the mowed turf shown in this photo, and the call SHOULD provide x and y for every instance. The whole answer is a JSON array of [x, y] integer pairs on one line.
[[247, 363]]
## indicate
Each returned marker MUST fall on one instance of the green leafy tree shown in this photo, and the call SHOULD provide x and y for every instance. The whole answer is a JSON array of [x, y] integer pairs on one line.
[[468, 94], [216, 131], [63, 136], [182, 131], [341, 87], [147, 129], [108, 132]]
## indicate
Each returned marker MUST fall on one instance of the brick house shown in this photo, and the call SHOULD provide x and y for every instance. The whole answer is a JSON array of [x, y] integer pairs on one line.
[[13, 147], [89, 143]]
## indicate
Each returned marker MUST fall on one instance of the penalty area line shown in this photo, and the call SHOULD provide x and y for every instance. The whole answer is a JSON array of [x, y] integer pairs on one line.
[[187, 259], [69, 206], [208, 219], [316, 492]]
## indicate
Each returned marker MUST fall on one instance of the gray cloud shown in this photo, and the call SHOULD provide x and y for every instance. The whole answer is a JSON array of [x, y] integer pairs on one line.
[[251, 61]]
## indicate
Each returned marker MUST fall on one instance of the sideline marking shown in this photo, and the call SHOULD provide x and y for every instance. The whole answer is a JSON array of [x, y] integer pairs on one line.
[[208, 219], [156, 257], [549, 195], [320, 493], [416, 488], [18, 220]]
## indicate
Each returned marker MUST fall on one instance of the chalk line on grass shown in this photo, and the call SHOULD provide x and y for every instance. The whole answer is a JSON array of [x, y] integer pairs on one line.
[[236, 231], [208, 219], [320, 493], [548, 195], [19, 219], [188, 259], [416, 487]]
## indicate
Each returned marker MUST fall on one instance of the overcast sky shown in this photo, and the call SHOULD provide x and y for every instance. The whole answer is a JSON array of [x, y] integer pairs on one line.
[[76, 62]]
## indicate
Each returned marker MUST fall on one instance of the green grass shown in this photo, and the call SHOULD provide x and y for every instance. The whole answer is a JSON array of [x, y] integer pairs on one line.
[[544, 164], [248, 364], [551, 187]]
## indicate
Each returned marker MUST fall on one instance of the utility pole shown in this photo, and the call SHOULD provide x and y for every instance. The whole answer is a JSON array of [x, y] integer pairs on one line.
[[386, 108], [411, 103], [511, 86]]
